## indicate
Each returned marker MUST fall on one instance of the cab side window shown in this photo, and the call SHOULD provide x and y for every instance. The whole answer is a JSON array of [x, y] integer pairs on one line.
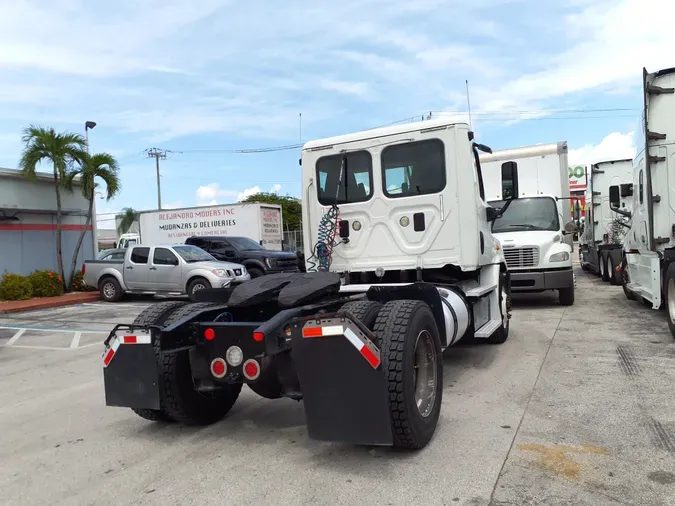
[[140, 255]]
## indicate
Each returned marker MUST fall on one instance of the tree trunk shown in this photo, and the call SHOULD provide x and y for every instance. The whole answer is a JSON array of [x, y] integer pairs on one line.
[[59, 226], [79, 242]]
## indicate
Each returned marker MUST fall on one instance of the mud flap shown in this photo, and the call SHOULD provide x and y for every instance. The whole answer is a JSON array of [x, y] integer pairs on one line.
[[130, 374], [343, 386]]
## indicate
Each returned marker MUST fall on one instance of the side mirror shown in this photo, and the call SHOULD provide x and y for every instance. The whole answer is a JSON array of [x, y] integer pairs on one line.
[[571, 228], [492, 213], [510, 180]]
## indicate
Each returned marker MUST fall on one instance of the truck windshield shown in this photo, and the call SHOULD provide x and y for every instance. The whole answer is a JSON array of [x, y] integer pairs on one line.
[[193, 254], [540, 213], [244, 244]]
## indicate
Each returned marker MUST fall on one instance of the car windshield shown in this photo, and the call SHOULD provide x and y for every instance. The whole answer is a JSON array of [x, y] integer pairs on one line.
[[192, 254], [245, 244], [540, 213]]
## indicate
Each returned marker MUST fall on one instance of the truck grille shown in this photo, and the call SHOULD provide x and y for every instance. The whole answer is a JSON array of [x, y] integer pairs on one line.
[[521, 257], [286, 263]]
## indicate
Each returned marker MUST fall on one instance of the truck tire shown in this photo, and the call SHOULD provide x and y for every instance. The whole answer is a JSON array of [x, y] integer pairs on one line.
[[602, 265], [500, 335], [255, 272], [178, 397], [156, 315], [611, 270], [197, 284], [669, 292], [624, 279], [410, 348], [363, 310], [566, 296], [110, 289]]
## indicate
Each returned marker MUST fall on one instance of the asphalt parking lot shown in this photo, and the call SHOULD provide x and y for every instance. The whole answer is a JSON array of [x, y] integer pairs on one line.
[[577, 407]]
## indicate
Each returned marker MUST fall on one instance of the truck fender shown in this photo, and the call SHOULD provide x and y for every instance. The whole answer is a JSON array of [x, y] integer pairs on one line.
[[256, 264], [198, 273], [112, 273], [425, 292]]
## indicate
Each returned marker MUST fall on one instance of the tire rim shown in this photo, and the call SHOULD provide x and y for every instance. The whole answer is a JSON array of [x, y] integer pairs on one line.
[[611, 268], [601, 267], [671, 300], [109, 290], [424, 373], [505, 310], [197, 287]]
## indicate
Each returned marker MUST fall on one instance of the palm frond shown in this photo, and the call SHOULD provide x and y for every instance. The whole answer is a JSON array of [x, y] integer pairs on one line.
[[129, 216]]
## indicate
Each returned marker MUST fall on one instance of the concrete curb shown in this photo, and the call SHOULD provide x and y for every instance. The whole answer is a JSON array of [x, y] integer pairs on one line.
[[47, 302]]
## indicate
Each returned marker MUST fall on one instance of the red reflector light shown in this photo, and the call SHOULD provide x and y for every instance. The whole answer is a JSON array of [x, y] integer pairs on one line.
[[218, 368], [312, 332], [209, 334], [251, 369], [130, 340], [258, 336], [108, 357]]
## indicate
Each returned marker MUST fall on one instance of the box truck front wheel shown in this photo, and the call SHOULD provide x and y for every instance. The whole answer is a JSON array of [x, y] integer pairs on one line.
[[670, 297], [502, 333], [566, 296], [411, 361]]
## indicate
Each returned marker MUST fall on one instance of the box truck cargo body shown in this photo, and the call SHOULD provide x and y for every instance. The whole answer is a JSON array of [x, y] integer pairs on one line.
[[261, 222], [605, 228], [535, 230]]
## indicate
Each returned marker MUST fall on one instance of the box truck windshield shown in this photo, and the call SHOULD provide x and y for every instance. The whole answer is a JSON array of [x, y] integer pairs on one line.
[[525, 214]]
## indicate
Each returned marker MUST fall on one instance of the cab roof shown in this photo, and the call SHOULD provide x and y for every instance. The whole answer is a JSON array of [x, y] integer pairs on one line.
[[380, 132]]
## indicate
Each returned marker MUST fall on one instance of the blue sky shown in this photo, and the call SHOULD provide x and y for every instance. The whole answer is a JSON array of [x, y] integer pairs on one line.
[[194, 77]]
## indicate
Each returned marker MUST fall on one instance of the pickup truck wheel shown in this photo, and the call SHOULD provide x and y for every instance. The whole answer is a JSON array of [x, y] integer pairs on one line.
[[178, 397], [410, 348], [156, 315], [110, 289], [365, 311], [255, 272], [196, 285]]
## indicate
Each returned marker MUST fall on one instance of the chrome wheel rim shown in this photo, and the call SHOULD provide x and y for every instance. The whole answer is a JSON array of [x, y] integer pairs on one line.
[[109, 290], [197, 287], [505, 310], [601, 267], [671, 300], [424, 373], [611, 268]]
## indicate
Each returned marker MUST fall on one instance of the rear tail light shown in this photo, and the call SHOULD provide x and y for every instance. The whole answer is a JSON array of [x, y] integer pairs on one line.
[[258, 336], [209, 334], [251, 369], [218, 368]]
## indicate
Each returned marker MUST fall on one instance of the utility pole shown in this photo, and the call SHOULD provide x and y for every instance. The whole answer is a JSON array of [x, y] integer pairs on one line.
[[157, 154]]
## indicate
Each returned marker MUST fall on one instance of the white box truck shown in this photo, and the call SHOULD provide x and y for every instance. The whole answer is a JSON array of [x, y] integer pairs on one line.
[[648, 267], [536, 229], [605, 228], [261, 222]]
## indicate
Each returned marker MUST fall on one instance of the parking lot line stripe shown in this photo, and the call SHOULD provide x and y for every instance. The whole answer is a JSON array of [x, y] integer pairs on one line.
[[20, 346], [42, 329], [76, 340], [15, 337]]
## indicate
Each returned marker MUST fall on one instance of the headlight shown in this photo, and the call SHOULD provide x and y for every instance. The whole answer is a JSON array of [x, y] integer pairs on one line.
[[270, 262], [221, 273], [563, 256]]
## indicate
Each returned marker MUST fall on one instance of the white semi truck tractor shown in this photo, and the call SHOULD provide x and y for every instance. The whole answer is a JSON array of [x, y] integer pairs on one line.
[[604, 227], [648, 268], [401, 264], [536, 231]]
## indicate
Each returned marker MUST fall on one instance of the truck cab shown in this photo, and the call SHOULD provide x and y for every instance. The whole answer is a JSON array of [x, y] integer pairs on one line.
[[648, 272], [127, 240], [536, 230]]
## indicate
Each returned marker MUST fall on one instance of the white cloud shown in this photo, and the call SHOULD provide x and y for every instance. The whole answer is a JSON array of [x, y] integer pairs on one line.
[[173, 205], [276, 188], [210, 193], [248, 192], [346, 87], [615, 146]]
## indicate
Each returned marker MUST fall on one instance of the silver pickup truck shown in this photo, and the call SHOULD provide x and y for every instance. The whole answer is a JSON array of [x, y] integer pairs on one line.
[[165, 270]]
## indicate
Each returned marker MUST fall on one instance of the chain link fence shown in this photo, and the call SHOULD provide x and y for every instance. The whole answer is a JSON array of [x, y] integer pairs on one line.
[[293, 240]]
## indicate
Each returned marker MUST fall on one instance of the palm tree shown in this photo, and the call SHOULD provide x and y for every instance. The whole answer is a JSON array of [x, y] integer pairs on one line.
[[61, 149], [99, 166], [129, 217]]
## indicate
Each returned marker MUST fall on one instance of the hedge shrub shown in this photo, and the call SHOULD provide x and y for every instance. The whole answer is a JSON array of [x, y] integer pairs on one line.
[[46, 284], [15, 287], [78, 283]]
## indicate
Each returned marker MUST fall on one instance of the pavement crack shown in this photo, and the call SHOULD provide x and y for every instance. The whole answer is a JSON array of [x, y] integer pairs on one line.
[[527, 405]]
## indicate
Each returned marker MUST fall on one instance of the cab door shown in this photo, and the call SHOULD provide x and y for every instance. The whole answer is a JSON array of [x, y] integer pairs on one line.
[[166, 271], [137, 269]]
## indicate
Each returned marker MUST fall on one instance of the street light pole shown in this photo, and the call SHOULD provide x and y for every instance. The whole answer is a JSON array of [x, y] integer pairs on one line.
[[94, 228]]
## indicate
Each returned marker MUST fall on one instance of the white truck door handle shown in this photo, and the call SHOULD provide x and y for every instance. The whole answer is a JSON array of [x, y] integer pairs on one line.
[[130, 267]]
